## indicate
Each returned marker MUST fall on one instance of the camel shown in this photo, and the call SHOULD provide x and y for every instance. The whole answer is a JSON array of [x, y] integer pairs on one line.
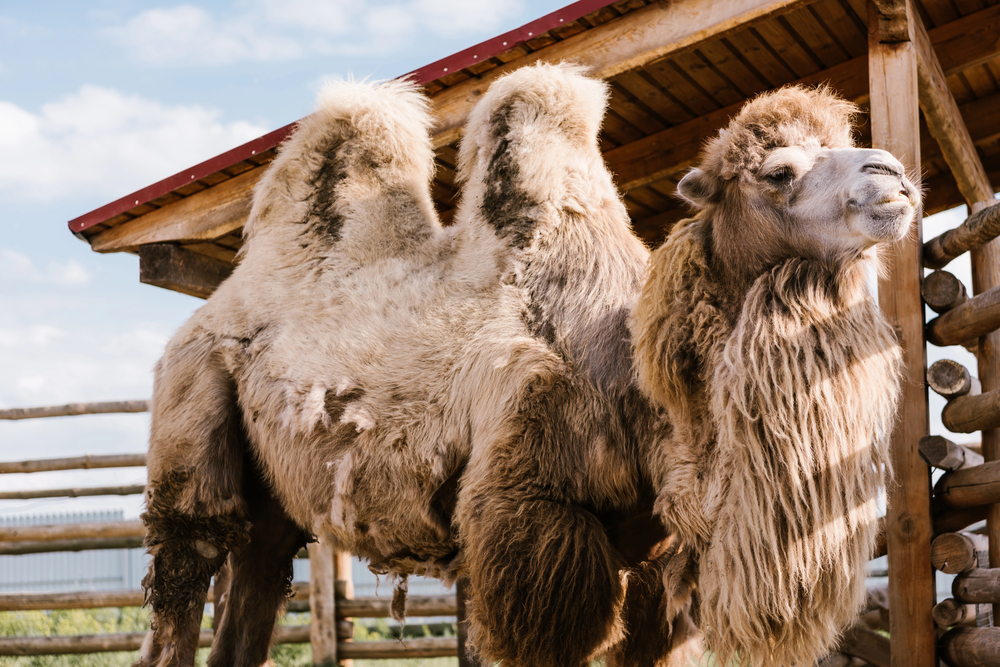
[[487, 400], [756, 332], [363, 364]]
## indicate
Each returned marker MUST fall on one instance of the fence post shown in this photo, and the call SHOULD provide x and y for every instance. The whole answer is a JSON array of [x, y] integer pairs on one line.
[[322, 603]]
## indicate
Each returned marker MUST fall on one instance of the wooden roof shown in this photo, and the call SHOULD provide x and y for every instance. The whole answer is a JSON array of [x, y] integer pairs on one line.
[[678, 71]]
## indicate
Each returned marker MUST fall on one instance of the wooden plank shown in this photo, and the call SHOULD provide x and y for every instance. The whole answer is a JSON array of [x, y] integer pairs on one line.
[[322, 602], [895, 123], [72, 531], [97, 599], [944, 120], [675, 149], [73, 409], [80, 544], [172, 267], [74, 463], [74, 492], [203, 216], [628, 43]]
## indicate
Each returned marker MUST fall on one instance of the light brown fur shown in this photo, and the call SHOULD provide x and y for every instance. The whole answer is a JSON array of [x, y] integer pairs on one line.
[[779, 376]]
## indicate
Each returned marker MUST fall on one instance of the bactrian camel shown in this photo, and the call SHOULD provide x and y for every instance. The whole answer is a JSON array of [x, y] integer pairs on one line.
[[462, 401]]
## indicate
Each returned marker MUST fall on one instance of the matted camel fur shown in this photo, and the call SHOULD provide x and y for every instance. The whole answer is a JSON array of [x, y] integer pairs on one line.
[[364, 366], [757, 332]]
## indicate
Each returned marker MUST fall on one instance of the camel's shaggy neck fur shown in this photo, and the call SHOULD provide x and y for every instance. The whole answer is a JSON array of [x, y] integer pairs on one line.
[[779, 376]]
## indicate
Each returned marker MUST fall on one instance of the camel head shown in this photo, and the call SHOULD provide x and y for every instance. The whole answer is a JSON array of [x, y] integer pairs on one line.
[[756, 331], [784, 179]]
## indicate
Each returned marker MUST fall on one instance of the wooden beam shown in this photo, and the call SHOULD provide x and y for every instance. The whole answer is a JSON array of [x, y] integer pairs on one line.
[[205, 215], [88, 462], [223, 208], [942, 453], [970, 487], [73, 409], [322, 603], [638, 38], [895, 123], [971, 647], [175, 268]]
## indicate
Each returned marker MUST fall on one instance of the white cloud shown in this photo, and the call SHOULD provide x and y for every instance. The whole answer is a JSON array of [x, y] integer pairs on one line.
[[16, 266], [101, 140], [268, 30]]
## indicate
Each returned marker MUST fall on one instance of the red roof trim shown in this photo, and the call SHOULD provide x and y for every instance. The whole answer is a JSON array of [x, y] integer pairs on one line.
[[453, 63]]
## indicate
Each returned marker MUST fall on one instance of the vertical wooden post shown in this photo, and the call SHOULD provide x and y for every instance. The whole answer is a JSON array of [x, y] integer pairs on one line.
[[985, 275], [464, 658], [892, 70], [344, 589], [322, 603]]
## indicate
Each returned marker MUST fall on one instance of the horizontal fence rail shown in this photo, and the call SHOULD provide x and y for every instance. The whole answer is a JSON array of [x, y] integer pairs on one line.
[[88, 462], [75, 492], [75, 409]]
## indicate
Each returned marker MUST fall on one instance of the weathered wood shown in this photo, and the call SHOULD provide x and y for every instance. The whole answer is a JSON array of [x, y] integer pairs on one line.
[[941, 452], [175, 268], [867, 645], [952, 612], [895, 124], [977, 230], [971, 647], [75, 492], [979, 485], [967, 414], [953, 519], [951, 379], [953, 553], [81, 544], [322, 602], [131, 641], [96, 599], [74, 463], [427, 647], [980, 585], [72, 531], [73, 409], [944, 120], [416, 606], [628, 43], [976, 317], [204, 216], [941, 290]]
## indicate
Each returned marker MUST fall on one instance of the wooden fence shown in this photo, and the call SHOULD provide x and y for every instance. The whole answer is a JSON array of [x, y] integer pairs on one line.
[[329, 594]]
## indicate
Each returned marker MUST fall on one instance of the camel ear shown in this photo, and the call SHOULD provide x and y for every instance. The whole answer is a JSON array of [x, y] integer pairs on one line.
[[697, 188]]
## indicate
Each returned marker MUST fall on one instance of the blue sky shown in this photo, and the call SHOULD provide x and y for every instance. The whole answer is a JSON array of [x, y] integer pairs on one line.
[[98, 99]]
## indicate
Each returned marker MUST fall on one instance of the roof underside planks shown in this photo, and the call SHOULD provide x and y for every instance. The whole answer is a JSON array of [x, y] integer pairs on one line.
[[678, 72]]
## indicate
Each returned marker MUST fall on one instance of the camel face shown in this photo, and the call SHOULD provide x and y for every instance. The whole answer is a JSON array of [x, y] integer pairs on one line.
[[841, 200]]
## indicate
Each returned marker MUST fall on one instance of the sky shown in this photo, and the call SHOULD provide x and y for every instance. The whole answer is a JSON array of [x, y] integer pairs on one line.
[[98, 99]]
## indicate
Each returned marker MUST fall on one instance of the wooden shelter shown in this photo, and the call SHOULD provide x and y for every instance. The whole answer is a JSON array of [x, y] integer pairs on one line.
[[678, 70]]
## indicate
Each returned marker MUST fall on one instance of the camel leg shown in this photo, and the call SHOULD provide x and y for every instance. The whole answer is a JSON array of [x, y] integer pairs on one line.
[[194, 509], [261, 575], [660, 630]]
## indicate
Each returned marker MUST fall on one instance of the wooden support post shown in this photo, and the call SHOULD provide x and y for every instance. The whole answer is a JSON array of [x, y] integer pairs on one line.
[[895, 123], [322, 603], [344, 590], [465, 659]]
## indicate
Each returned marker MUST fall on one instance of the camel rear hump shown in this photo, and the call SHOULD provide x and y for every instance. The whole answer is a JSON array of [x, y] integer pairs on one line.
[[530, 153], [353, 180]]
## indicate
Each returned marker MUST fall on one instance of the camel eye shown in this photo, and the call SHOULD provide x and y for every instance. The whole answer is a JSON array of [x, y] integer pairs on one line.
[[781, 176]]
